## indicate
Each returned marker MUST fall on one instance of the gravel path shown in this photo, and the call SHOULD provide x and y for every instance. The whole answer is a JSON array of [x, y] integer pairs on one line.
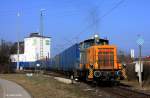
[[12, 90]]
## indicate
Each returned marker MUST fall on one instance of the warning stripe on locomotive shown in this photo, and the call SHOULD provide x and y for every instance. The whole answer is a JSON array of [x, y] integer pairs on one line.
[[90, 76]]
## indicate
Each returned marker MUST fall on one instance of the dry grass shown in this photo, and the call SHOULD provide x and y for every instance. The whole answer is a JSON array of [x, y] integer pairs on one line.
[[46, 87], [1, 91]]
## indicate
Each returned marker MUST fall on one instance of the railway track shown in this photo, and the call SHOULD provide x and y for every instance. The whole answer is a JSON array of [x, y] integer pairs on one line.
[[123, 92]]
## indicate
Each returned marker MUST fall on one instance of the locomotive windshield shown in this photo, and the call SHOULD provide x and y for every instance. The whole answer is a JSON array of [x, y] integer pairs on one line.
[[91, 42]]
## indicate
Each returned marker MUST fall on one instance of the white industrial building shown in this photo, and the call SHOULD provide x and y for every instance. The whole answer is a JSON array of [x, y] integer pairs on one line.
[[36, 47]]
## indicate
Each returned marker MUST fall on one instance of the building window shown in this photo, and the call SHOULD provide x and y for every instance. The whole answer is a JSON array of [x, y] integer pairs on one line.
[[34, 42], [47, 42]]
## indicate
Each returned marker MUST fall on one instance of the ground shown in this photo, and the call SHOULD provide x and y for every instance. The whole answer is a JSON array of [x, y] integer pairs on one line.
[[135, 85], [47, 87], [1, 91]]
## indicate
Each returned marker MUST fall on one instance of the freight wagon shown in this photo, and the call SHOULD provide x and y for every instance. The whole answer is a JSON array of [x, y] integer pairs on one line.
[[90, 60], [66, 61]]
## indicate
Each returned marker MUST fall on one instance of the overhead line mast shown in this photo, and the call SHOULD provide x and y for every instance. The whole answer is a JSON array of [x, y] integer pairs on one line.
[[41, 33], [97, 19], [18, 47]]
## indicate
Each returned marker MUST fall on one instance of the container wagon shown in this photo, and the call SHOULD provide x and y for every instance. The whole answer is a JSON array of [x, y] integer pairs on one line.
[[67, 61]]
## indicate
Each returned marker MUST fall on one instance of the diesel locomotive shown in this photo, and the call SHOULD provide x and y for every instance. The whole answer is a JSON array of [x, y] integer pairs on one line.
[[91, 60]]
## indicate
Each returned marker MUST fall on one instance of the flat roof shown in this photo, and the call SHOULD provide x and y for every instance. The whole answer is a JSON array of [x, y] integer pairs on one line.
[[36, 35]]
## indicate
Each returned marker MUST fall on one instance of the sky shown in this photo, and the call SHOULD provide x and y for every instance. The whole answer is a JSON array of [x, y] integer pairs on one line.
[[71, 21]]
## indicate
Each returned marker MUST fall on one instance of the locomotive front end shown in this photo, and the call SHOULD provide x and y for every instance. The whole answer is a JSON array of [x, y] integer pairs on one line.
[[102, 63]]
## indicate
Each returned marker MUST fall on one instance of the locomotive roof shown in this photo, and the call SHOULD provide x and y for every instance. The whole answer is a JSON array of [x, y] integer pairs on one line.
[[92, 40]]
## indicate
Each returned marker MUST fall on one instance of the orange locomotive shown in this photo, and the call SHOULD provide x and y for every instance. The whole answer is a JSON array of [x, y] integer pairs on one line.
[[99, 62]]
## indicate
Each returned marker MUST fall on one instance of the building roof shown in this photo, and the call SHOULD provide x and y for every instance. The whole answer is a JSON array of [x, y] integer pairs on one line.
[[36, 35]]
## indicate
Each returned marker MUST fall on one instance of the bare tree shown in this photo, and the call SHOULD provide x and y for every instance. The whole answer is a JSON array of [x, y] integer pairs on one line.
[[124, 57], [6, 50]]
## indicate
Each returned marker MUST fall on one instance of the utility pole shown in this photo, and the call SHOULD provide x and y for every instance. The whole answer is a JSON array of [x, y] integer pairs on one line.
[[18, 47]]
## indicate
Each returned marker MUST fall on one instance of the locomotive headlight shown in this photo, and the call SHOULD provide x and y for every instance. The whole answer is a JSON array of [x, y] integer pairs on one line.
[[97, 73], [118, 73]]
